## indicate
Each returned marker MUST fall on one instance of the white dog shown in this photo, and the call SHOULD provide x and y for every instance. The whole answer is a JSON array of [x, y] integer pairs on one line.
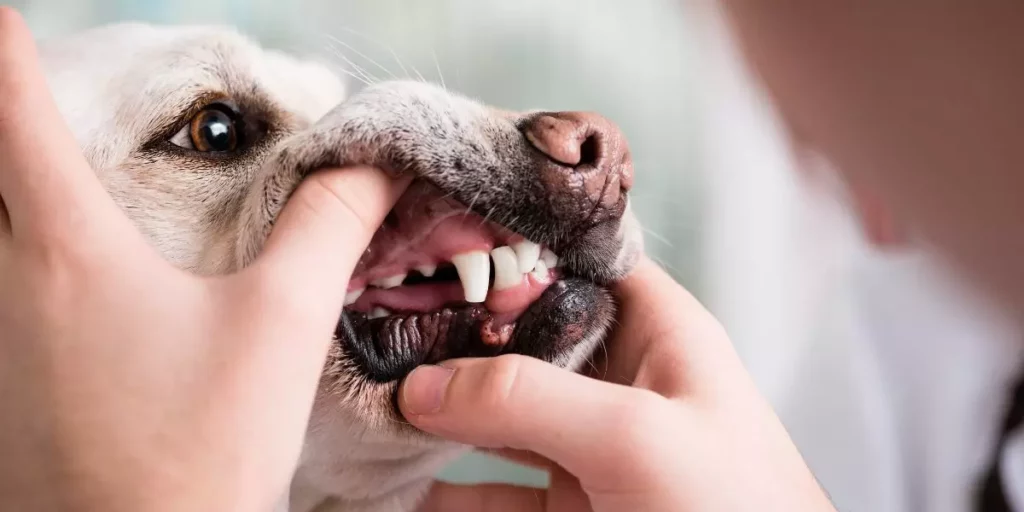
[[200, 136]]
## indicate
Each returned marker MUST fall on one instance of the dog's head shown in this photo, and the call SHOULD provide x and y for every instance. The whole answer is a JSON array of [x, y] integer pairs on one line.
[[504, 243]]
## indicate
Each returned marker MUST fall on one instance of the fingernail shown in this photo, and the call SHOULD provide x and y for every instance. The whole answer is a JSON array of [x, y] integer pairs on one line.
[[424, 389]]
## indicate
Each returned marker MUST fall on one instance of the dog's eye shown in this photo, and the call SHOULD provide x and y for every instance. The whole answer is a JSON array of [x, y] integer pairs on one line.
[[216, 129]]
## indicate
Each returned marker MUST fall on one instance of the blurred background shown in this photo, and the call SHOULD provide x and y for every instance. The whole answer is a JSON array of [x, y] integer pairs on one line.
[[727, 204]]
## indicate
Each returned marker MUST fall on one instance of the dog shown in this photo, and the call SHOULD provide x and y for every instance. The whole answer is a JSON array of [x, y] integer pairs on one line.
[[505, 242]]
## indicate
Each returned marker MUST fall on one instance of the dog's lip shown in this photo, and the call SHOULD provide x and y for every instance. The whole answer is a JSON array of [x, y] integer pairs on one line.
[[386, 349], [433, 327]]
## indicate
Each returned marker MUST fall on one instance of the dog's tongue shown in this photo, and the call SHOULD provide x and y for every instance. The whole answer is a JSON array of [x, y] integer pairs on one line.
[[426, 228]]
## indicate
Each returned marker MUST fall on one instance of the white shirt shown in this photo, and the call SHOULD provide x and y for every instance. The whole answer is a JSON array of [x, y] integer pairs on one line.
[[891, 376], [897, 402]]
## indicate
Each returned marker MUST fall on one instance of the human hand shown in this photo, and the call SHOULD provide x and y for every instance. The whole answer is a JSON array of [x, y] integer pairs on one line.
[[126, 383], [675, 424]]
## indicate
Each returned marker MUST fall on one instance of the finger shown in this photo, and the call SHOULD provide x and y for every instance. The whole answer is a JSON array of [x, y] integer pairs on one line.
[[291, 296], [522, 403], [666, 341], [45, 180], [322, 232], [445, 497]]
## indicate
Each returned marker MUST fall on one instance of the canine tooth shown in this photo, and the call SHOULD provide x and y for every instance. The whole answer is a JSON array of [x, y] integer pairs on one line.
[[506, 268], [378, 312], [352, 296], [474, 270], [389, 282], [427, 270], [527, 254], [540, 272], [549, 258]]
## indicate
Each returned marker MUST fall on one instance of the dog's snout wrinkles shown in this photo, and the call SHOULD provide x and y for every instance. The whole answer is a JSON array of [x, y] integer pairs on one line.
[[589, 168]]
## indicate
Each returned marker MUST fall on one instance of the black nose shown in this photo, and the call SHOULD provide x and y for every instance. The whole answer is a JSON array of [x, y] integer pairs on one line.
[[592, 169]]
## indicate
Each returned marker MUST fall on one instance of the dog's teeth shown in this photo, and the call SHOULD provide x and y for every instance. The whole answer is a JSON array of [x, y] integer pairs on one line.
[[389, 282], [352, 296], [506, 268], [378, 312], [549, 258], [427, 270], [540, 272], [527, 254], [474, 270]]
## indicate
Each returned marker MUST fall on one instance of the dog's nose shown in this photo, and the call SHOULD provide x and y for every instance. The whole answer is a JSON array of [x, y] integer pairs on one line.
[[592, 169]]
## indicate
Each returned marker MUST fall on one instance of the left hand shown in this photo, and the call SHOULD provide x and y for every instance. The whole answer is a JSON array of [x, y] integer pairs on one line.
[[126, 383]]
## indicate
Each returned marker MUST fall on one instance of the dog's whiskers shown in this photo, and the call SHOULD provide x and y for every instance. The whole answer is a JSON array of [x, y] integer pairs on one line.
[[353, 75], [369, 77], [418, 74], [665, 264], [490, 211], [405, 72], [389, 48], [364, 76], [469, 208], [437, 65], [365, 57], [658, 237]]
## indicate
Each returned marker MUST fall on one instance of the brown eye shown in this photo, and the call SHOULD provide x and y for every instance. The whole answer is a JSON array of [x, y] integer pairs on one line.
[[214, 130]]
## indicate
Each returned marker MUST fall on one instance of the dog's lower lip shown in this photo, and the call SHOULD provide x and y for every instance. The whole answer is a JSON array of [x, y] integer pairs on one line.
[[386, 349]]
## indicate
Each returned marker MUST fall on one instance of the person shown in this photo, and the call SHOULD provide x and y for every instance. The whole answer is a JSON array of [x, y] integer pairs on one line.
[[672, 423]]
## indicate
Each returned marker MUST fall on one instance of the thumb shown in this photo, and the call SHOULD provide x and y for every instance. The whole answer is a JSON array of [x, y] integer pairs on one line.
[[518, 402], [322, 232]]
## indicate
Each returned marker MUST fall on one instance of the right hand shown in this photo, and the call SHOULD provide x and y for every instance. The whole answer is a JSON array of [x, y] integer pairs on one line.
[[674, 423]]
